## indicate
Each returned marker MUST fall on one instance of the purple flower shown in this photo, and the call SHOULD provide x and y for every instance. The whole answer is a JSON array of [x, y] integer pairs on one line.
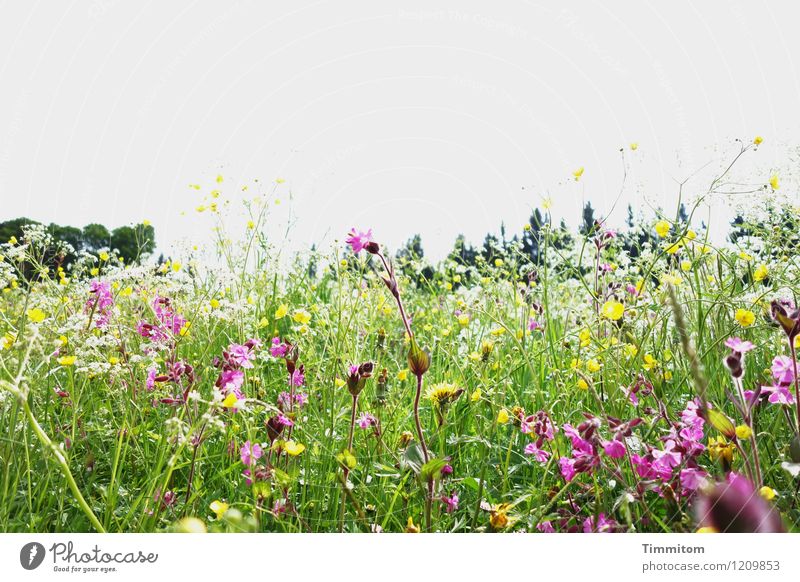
[[604, 525], [545, 527], [778, 394], [358, 240], [533, 325], [614, 449], [783, 369], [538, 454], [692, 478], [734, 506], [278, 348], [151, 379], [231, 381], [240, 356], [366, 420], [298, 378], [739, 345], [450, 503], [250, 453]]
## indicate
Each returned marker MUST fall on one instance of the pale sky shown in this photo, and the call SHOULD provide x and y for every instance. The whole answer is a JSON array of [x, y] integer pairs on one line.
[[439, 117]]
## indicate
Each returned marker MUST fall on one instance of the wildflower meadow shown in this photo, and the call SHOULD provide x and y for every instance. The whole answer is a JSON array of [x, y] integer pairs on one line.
[[612, 378]]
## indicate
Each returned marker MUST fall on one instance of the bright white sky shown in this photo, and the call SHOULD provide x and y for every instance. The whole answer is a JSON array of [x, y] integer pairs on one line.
[[432, 120]]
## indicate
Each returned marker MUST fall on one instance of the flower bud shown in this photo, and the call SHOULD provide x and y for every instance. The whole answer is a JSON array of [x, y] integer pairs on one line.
[[419, 360]]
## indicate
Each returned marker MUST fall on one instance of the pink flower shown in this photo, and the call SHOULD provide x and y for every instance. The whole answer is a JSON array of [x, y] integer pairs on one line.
[[545, 527], [278, 349], [739, 345], [250, 453], [450, 503], [533, 325], [614, 449], [151, 379], [240, 355], [298, 378], [778, 394], [692, 478], [567, 468], [783, 369], [604, 525], [366, 420], [231, 381], [538, 454], [358, 240]]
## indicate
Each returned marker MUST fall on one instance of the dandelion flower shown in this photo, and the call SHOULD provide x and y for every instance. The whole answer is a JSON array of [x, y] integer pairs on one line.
[[774, 182], [281, 312], [578, 173]]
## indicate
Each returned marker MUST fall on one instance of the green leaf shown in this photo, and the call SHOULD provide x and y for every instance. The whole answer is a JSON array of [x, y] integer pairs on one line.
[[432, 469]]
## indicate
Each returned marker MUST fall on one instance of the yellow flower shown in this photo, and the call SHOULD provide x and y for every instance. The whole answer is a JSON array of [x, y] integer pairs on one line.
[[760, 273], [686, 266], [219, 508], [662, 228], [191, 525], [94, 271], [547, 203], [498, 517], [774, 182], [214, 304], [767, 493], [527, 226], [251, 225], [476, 395], [281, 312], [585, 336], [502, 416], [670, 279], [463, 319], [402, 375], [67, 360], [578, 173], [36, 315], [745, 317], [634, 146], [593, 365], [613, 310], [230, 400], [113, 360], [338, 382], [176, 266], [757, 140], [301, 316], [410, 527], [649, 362], [743, 432], [719, 448], [103, 256], [498, 262], [582, 384], [706, 529], [293, 449]]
